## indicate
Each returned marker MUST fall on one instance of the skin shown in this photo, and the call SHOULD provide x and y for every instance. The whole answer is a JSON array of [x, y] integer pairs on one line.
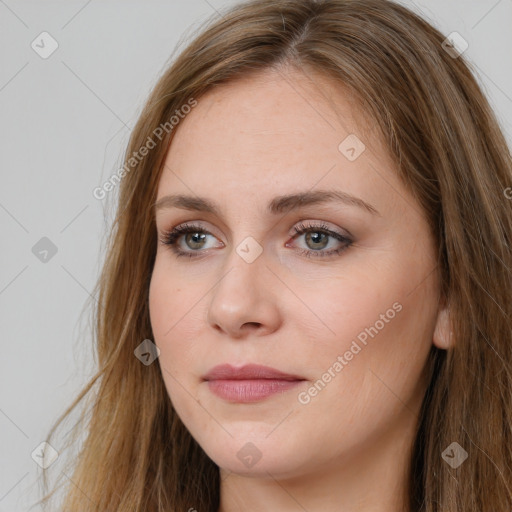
[[346, 449]]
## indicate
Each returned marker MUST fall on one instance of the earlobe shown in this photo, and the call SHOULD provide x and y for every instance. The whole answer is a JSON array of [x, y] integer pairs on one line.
[[443, 334]]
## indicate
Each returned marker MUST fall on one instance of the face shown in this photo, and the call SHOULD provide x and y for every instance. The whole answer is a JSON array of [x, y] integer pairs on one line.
[[340, 293]]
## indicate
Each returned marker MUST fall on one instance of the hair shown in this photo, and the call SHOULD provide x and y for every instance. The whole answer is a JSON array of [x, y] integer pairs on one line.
[[450, 153]]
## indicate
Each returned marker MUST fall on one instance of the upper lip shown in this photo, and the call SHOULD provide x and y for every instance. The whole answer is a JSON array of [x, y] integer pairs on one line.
[[246, 372]]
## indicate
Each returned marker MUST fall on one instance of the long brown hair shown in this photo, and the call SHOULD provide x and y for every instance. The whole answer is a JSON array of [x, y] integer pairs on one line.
[[449, 151]]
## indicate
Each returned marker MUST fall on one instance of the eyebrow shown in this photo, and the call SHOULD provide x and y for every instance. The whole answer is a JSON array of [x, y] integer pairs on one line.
[[278, 205]]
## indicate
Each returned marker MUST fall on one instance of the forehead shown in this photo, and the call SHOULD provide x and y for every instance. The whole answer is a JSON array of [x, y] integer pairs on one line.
[[274, 133], [279, 111]]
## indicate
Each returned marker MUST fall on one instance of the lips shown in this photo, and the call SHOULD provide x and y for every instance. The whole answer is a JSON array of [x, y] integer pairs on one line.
[[250, 383], [248, 372]]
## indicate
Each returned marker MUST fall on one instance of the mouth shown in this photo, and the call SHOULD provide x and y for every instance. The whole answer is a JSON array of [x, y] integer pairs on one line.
[[250, 383]]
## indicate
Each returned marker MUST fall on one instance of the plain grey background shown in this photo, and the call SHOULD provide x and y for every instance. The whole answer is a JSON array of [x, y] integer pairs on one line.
[[64, 125]]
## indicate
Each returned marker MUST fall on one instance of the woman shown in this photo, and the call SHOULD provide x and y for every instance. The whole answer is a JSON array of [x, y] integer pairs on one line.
[[306, 299]]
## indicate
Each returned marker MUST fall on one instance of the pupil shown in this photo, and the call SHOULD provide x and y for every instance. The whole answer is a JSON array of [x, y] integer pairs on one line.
[[194, 237], [316, 236]]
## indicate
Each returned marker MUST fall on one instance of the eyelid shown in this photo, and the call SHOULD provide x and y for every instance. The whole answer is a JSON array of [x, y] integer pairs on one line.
[[321, 225], [192, 224]]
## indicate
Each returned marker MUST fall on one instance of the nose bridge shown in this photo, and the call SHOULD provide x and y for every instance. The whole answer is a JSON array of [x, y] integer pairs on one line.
[[244, 264], [239, 296]]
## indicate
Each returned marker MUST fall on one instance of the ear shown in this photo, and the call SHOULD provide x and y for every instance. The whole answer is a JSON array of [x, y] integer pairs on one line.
[[443, 334]]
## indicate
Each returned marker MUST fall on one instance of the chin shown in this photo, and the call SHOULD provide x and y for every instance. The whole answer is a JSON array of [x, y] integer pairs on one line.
[[254, 454]]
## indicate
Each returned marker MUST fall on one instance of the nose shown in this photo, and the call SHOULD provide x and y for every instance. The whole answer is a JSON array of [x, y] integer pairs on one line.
[[245, 299]]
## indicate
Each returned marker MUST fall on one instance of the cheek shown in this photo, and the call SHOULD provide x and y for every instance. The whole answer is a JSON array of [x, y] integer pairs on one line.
[[379, 373], [344, 306], [159, 303], [164, 312], [175, 321], [169, 299], [376, 320]]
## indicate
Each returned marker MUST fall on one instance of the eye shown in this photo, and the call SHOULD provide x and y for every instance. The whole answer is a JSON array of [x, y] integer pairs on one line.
[[317, 239], [195, 237]]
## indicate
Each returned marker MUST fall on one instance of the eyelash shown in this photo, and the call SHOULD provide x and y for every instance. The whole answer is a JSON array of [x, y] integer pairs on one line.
[[171, 237]]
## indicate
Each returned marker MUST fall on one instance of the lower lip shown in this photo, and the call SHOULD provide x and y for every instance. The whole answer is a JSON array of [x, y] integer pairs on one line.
[[250, 390]]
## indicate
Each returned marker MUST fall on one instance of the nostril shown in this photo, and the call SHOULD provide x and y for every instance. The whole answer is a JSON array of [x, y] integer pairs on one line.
[[251, 324]]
